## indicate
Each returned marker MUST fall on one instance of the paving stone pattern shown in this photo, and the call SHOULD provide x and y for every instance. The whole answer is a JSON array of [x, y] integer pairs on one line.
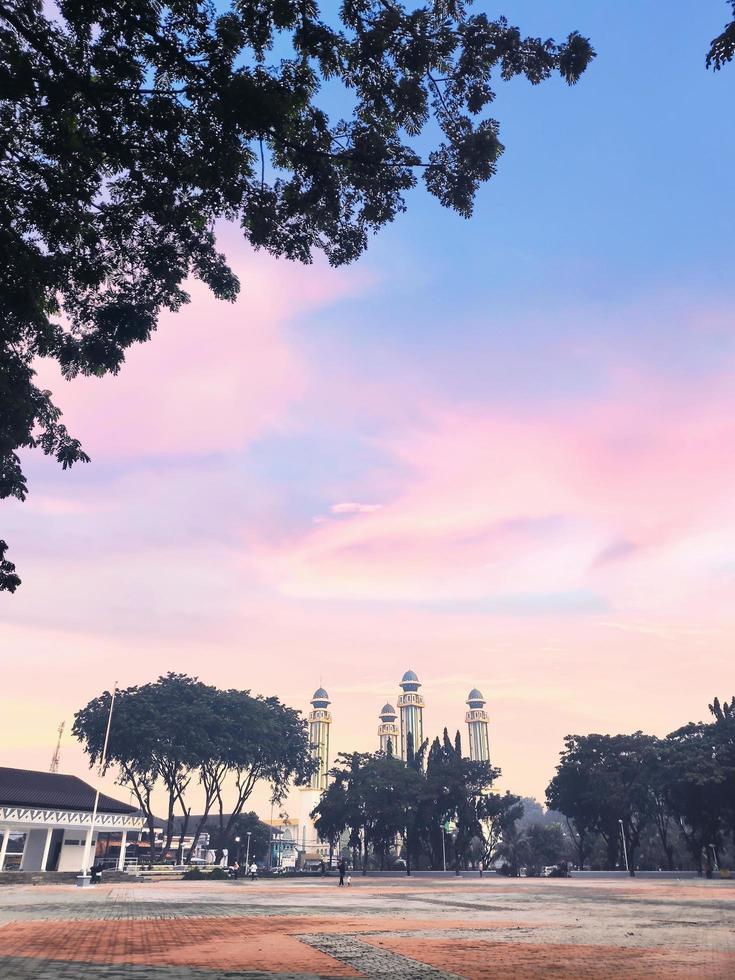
[[371, 961], [490, 930], [19, 968]]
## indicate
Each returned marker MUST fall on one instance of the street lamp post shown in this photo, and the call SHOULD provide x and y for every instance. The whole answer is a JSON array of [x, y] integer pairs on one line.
[[237, 841], [714, 856], [444, 848], [625, 847], [101, 769], [247, 852]]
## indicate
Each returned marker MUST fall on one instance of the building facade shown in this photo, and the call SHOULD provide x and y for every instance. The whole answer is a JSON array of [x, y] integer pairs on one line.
[[48, 823]]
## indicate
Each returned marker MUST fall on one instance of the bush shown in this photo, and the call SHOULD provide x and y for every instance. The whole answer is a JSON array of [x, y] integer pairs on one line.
[[193, 874], [196, 874]]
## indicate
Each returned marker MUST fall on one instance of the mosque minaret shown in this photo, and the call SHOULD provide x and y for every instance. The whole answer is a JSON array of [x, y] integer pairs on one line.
[[319, 721], [477, 724], [320, 718], [397, 730], [411, 708], [388, 731]]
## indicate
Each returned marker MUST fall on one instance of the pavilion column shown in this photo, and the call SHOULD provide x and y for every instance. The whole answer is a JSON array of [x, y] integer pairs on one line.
[[123, 845], [26, 838], [4, 847], [46, 848], [87, 855]]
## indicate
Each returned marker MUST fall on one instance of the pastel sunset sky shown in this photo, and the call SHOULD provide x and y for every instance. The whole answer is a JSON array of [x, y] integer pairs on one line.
[[500, 452]]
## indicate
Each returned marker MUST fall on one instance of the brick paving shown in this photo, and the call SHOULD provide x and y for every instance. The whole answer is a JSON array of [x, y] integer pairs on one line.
[[428, 929]]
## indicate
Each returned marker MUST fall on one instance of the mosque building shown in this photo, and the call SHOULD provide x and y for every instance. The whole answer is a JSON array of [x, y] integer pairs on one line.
[[398, 730]]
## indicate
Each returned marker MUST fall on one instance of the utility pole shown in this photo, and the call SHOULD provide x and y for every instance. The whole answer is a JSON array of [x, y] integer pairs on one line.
[[54, 767]]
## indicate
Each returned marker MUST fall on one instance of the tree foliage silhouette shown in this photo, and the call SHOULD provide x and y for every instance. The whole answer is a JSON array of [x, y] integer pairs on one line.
[[130, 129]]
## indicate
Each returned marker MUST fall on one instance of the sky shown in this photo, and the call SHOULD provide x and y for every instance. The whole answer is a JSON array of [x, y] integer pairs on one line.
[[498, 452]]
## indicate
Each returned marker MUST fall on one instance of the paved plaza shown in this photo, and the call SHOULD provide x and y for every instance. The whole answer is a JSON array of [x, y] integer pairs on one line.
[[435, 929]]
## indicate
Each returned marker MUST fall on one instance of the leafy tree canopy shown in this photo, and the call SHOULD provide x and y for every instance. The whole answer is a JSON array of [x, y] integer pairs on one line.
[[722, 48], [129, 129], [174, 730]]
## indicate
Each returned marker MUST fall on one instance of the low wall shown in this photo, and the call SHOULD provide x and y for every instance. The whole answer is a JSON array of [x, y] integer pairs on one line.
[[53, 877]]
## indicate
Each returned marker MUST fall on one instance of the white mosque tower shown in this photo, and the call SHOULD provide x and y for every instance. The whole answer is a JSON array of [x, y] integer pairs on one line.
[[477, 720], [319, 721], [388, 731], [320, 718], [411, 708]]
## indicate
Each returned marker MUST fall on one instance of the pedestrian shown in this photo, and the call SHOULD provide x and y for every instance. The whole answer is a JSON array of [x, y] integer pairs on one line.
[[253, 871], [235, 870], [96, 870], [341, 867]]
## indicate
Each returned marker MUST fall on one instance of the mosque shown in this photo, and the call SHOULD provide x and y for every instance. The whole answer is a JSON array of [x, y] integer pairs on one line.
[[397, 731]]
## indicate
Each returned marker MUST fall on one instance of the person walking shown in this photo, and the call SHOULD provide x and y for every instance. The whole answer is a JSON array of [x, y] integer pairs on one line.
[[341, 867], [253, 871]]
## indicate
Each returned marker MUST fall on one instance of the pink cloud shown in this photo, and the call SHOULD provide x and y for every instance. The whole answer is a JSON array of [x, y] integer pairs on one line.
[[215, 375], [500, 503], [354, 508]]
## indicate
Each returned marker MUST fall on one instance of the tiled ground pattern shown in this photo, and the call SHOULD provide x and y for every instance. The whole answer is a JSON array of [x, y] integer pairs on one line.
[[428, 929]]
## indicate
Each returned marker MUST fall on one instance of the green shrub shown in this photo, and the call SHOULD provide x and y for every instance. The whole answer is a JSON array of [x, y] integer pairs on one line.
[[193, 874], [196, 874]]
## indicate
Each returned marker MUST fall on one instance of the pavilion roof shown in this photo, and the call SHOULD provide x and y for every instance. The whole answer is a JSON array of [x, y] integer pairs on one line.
[[26, 787]]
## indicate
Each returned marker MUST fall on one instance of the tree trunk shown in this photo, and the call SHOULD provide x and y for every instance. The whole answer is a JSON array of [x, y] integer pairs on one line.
[[151, 841], [169, 820], [612, 846], [182, 835]]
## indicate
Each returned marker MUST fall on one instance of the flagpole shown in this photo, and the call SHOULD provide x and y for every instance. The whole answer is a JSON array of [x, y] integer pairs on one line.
[[100, 770]]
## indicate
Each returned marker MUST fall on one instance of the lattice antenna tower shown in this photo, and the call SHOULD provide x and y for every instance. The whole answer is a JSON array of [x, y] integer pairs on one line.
[[57, 751]]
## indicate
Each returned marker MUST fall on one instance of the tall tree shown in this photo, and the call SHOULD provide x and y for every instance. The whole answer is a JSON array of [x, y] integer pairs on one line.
[[260, 836], [130, 129], [455, 790], [602, 784], [166, 732], [694, 791], [131, 746], [499, 816]]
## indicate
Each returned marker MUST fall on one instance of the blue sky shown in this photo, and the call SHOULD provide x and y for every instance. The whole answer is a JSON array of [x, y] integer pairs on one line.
[[499, 451]]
